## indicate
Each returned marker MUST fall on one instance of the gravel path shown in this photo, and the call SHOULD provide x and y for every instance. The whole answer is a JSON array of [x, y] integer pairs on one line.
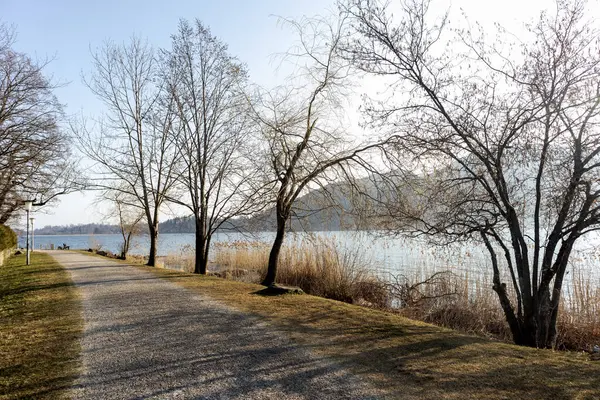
[[147, 338]]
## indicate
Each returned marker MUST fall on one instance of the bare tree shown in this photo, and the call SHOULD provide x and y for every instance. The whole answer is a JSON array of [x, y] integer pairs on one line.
[[213, 136], [132, 148], [306, 143], [128, 223], [128, 214], [34, 152], [507, 142]]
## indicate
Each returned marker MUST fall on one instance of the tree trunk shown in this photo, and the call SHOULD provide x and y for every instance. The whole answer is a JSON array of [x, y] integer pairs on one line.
[[153, 245], [528, 329], [543, 317], [547, 310], [126, 245], [527, 333], [537, 326], [206, 251], [201, 262], [274, 254]]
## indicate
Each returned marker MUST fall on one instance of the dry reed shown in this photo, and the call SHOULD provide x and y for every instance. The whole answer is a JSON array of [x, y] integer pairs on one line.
[[317, 265], [454, 298], [183, 260], [468, 304]]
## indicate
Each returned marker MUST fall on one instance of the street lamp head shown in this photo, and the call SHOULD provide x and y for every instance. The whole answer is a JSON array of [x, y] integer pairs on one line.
[[32, 219], [28, 204]]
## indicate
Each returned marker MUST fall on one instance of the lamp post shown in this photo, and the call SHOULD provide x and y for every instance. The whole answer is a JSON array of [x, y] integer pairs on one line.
[[32, 219], [28, 204]]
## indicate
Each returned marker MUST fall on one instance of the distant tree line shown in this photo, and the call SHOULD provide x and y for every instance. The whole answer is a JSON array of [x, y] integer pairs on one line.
[[80, 229], [312, 215]]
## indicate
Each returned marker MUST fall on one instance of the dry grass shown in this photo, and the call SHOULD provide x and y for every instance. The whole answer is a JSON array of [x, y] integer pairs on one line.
[[248, 255], [315, 264], [579, 316], [183, 260], [406, 358], [451, 300], [130, 259], [40, 328]]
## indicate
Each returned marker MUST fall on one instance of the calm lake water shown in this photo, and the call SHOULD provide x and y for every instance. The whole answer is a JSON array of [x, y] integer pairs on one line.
[[387, 256], [386, 253]]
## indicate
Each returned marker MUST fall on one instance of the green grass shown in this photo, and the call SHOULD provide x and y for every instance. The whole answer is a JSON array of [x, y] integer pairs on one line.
[[405, 358], [40, 328]]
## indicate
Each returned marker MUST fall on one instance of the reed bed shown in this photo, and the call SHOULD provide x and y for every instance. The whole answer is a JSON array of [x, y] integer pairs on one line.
[[456, 297], [579, 315], [182, 260], [319, 266], [452, 299], [467, 303]]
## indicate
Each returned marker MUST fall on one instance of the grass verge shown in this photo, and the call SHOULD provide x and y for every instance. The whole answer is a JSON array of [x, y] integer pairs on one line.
[[40, 328], [407, 358]]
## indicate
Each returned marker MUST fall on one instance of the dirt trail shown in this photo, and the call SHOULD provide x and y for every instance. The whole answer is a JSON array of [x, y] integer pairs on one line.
[[147, 338]]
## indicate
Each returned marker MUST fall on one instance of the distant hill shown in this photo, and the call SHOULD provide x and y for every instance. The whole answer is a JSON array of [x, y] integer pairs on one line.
[[331, 208], [325, 209], [178, 225]]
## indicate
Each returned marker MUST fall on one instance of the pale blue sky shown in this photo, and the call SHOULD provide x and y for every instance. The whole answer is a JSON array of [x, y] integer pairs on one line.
[[66, 30]]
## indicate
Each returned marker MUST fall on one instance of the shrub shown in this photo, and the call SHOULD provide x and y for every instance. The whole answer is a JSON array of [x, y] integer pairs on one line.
[[8, 238]]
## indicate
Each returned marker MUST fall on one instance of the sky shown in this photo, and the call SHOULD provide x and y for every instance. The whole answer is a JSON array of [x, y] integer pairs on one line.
[[67, 30]]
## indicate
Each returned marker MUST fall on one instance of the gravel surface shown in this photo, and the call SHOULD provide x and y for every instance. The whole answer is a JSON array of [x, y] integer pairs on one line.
[[147, 338]]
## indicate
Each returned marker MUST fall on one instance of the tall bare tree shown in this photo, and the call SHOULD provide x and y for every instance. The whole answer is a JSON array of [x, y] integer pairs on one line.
[[131, 146], [507, 142], [306, 143], [34, 151], [213, 137]]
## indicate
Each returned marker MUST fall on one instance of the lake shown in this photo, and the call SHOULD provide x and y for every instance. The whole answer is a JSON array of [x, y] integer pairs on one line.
[[388, 256], [388, 253]]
